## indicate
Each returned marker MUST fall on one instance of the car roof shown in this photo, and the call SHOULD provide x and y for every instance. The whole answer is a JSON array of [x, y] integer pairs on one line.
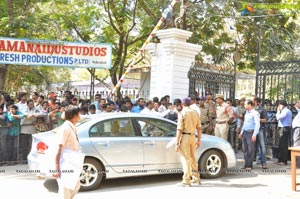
[[104, 116]]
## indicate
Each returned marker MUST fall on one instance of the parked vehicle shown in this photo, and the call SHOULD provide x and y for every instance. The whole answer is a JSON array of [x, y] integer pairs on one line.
[[131, 144]]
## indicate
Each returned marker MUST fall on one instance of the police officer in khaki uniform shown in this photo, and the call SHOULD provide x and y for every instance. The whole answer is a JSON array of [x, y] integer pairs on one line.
[[186, 142], [205, 117], [225, 115], [241, 109], [212, 112]]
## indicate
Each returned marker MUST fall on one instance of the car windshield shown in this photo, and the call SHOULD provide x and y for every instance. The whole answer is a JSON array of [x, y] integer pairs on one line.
[[83, 119]]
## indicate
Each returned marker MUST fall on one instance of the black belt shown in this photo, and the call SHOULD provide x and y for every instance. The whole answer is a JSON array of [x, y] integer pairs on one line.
[[184, 133], [249, 131]]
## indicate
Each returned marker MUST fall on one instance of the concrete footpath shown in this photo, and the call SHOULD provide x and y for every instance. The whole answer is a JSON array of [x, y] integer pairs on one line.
[[273, 183]]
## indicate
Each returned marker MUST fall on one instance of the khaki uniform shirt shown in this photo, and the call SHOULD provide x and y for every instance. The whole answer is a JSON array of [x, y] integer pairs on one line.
[[241, 109], [211, 108], [205, 114], [188, 120], [223, 112]]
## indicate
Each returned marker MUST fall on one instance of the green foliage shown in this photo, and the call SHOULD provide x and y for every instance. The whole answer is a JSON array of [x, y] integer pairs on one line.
[[40, 77], [49, 20], [216, 25], [210, 22]]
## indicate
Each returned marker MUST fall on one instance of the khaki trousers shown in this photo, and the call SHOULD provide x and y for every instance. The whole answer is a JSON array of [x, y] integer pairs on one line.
[[221, 131], [188, 160]]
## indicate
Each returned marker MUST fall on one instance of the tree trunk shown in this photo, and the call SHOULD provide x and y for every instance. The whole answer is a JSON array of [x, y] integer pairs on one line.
[[10, 8], [3, 68], [3, 71]]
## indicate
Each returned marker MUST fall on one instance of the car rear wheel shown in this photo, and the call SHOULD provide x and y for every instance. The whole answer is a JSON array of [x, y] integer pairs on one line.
[[212, 164], [91, 176]]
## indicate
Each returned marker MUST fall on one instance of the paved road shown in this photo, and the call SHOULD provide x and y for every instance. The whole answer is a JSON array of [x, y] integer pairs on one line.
[[275, 183]]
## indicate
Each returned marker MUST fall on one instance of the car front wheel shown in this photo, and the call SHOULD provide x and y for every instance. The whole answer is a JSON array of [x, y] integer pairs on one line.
[[212, 164], [91, 176]]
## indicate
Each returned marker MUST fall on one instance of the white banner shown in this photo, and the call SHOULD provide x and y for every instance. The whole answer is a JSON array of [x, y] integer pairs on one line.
[[55, 53]]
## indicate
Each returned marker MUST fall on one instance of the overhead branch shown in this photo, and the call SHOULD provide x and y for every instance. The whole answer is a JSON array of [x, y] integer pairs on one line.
[[148, 10], [107, 9], [101, 80], [78, 32], [133, 18], [137, 39]]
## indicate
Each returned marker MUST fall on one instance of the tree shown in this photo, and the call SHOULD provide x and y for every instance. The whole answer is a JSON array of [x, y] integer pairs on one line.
[[219, 27], [22, 20], [216, 25], [86, 22], [5, 12]]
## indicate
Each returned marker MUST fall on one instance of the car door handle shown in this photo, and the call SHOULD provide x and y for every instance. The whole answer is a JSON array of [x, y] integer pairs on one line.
[[152, 143], [104, 144]]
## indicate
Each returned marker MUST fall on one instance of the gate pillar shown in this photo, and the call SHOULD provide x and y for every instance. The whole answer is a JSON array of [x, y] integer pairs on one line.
[[171, 60]]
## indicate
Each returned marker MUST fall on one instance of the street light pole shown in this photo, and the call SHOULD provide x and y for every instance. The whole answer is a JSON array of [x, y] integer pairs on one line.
[[258, 61], [92, 87]]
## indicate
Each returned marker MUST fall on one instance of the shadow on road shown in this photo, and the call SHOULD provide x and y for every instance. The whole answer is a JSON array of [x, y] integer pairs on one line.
[[130, 183], [165, 180], [239, 186], [51, 185]]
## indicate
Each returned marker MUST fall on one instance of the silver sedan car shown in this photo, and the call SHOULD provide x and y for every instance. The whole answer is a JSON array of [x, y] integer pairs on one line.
[[130, 144]]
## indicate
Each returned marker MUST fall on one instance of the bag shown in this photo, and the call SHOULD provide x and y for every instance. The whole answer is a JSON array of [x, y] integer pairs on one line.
[[71, 165], [47, 162]]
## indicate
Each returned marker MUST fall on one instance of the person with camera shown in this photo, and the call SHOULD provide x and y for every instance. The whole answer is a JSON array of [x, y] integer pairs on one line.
[[284, 117]]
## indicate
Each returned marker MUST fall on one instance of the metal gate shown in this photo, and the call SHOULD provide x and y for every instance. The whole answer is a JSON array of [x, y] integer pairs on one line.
[[205, 77], [278, 80]]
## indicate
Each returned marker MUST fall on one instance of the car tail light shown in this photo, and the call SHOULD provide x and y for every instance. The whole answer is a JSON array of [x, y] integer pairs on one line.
[[41, 147]]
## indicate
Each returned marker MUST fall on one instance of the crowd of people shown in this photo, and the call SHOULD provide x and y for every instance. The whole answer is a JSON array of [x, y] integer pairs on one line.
[[224, 118]]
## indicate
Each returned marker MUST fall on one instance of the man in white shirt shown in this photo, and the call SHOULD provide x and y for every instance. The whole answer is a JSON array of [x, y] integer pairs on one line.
[[297, 106], [148, 110], [27, 128], [194, 105], [296, 135], [163, 105], [22, 104], [296, 130]]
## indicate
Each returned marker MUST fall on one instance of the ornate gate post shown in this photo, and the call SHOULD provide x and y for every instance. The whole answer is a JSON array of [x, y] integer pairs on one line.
[[170, 62]]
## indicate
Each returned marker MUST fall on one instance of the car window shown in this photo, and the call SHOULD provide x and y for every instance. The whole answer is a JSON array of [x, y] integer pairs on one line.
[[83, 119], [156, 128], [121, 127]]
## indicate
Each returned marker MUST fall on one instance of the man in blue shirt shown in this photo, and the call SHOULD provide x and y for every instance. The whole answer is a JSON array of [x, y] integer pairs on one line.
[[14, 118], [97, 101], [3, 136], [284, 117], [261, 145], [248, 133], [140, 105]]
